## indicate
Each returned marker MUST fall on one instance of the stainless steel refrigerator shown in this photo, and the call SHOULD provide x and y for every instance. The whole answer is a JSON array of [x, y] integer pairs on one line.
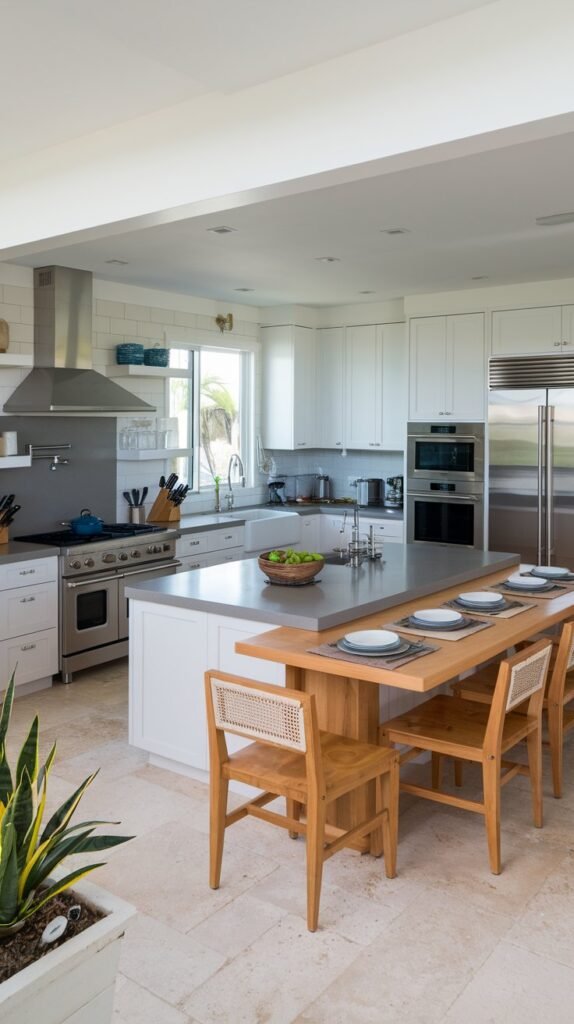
[[531, 457]]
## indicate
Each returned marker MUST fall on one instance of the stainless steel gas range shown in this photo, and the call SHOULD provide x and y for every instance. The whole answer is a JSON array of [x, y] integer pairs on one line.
[[94, 572]]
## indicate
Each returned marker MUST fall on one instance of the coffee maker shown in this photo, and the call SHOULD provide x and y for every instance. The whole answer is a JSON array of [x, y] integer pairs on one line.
[[394, 492]]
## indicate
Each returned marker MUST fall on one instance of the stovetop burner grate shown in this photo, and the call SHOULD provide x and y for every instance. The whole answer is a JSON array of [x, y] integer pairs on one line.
[[111, 531]]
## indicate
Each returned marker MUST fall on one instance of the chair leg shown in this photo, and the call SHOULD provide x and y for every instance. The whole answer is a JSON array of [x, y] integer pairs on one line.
[[293, 811], [458, 772], [217, 813], [377, 837], [316, 814], [389, 783], [491, 783], [436, 770], [534, 746], [556, 733]]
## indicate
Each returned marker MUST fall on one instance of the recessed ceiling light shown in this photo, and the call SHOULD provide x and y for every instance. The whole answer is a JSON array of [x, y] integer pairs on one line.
[[222, 229], [367, 291], [327, 259], [244, 289], [555, 218], [121, 263], [480, 277], [395, 231]]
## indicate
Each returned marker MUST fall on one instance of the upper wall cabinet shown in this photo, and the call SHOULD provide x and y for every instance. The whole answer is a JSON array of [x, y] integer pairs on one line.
[[330, 387], [525, 331], [288, 392], [447, 367]]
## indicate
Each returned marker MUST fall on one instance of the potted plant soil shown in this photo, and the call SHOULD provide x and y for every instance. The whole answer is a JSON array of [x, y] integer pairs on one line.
[[59, 946]]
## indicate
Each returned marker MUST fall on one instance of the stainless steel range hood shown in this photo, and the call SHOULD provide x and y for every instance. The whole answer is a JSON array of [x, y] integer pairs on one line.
[[63, 380]]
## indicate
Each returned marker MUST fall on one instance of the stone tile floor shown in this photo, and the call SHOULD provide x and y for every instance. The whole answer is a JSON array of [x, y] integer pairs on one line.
[[444, 941]]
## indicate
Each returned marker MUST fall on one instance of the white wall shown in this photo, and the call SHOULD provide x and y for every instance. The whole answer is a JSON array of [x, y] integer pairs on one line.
[[476, 81]]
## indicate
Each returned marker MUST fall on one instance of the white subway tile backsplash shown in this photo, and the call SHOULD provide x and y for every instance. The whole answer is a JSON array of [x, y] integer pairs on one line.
[[21, 333], [19, 295], [120, 325], [10, 312], [103, 340], [149, 330], [162, 316], [134, 312], [185, 319], [105, 307], [27, 314], [101, 324]]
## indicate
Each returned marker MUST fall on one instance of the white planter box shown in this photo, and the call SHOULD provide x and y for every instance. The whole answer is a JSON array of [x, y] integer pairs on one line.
[[74, 984]]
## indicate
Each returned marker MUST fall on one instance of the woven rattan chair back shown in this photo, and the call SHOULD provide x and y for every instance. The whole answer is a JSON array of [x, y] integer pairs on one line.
[[259, 714], [527, 677]]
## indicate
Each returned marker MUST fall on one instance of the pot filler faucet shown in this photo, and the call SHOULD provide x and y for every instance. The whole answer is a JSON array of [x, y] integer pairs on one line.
[[235, 461]]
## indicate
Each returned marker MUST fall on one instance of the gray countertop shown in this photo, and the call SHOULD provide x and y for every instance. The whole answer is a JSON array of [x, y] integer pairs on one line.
[[20, 551], [338, 595], [218, 521]]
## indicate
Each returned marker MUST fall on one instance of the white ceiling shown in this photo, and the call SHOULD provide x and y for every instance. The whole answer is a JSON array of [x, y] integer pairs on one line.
[[72, 67], [466, 217]]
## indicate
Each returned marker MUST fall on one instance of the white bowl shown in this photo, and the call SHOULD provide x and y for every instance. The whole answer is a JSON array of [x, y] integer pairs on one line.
[[549, 571], [479, 599], [373, 638], [527, 583], [437, 616]]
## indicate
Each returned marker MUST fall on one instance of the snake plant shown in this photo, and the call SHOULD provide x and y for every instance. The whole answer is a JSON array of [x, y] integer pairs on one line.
[[30, 850]]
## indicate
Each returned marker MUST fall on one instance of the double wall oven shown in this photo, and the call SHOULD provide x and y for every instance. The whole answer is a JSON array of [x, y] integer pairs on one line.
[[94, 574], [445, 483]]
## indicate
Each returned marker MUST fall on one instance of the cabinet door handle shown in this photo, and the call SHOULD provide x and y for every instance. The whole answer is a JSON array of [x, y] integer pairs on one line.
[[338, 444], [26, 600], [557, 344], [194, 543], [301, 444], [27, 572], [28, 647]]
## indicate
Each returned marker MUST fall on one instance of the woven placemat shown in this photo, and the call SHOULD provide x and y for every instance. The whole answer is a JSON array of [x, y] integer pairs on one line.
[[474, 626], [509, 609], [417, 650], [566, 580], [539, 595]]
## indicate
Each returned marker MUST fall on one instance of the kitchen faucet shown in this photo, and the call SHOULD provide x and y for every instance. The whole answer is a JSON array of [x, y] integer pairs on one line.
[[235, 460]]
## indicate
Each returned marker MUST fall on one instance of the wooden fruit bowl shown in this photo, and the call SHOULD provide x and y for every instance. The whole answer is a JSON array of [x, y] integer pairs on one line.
[[279, 572]]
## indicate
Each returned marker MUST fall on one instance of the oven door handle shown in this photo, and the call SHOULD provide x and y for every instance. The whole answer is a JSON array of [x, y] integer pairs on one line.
[[92, 580], [150, 568], [443, 496], [444, 438]]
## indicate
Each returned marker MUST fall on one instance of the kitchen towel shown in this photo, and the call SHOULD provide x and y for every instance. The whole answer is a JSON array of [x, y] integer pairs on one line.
[[474, 626], [415, 651]]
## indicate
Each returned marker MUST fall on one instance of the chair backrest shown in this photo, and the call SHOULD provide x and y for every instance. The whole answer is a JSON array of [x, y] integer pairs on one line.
[[563, 664], [258, 711], [528, 675]]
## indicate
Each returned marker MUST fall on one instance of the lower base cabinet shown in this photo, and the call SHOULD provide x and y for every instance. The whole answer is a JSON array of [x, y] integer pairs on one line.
[[33, 657]]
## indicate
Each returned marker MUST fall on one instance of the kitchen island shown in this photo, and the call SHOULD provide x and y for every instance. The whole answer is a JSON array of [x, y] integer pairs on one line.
[[182, 625]]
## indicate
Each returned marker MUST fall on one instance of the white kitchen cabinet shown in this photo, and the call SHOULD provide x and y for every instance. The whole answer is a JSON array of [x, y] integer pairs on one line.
[[330, 387], [385, 530], [363, 388], [310, 534], [526, 331], [395, 361], [330, 536], [567, 328], [215, 543], [29, 621], [289, 388], [447, 367], [212, 558]]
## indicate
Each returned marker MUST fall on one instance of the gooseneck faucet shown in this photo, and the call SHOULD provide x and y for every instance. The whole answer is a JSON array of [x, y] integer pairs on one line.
[[234, 461]]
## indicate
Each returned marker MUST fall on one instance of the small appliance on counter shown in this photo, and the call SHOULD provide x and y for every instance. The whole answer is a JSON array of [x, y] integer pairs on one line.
[[322, 488], [394, 492], [277, 492], [370, 491]]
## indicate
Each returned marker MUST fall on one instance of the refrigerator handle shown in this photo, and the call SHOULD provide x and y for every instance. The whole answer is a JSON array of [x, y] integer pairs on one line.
[[549, 483], [541, 424]]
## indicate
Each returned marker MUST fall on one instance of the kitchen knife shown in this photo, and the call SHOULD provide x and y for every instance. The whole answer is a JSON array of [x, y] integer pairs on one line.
[[128, 499], [162, 481], [136, 496], [6, 502], [171, 481], [144, 495], [10, 513]]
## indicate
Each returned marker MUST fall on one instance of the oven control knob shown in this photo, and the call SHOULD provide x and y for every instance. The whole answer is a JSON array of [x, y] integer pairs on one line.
[[90, 563], [136, 553], [157, 549], [150, 549], [108, 557], [166, 547], [123, 557], [75, 565]]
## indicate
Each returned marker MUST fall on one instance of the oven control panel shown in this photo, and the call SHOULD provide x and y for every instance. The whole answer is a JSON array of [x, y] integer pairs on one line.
[[104, 557]]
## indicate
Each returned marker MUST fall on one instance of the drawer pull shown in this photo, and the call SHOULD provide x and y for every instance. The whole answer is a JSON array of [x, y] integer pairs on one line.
[[193, 543], [228, 536], [26, 600], [27, 572], [28, 647]]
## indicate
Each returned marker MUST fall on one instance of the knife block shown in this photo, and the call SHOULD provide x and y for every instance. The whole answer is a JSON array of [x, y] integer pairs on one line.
[[162, 510], [4, 535]]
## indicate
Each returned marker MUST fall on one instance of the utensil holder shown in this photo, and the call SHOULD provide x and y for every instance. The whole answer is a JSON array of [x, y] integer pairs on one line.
[[162, 510], [137, 514], [4, 535]]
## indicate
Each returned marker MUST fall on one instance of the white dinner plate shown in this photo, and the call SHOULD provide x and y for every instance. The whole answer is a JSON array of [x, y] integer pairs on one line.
[[401, 648], [526, 582], [373, 638], [386, 649], [549, 571], [436, 616], [478, 599]]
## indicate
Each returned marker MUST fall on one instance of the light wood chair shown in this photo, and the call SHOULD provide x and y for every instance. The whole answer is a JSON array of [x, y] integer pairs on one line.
[[559, 693], [292, 758], [470, 731]]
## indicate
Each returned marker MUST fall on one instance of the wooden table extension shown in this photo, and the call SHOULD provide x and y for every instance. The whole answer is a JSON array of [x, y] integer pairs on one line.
[[347, 695]]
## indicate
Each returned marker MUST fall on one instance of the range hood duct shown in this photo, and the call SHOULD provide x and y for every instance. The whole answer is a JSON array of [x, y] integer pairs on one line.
[[63, 380]]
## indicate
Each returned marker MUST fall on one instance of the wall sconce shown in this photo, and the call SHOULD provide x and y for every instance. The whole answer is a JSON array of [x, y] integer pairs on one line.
[[224, 322]]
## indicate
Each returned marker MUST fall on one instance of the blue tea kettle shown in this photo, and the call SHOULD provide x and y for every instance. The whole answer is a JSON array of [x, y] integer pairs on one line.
[[86, 525]]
